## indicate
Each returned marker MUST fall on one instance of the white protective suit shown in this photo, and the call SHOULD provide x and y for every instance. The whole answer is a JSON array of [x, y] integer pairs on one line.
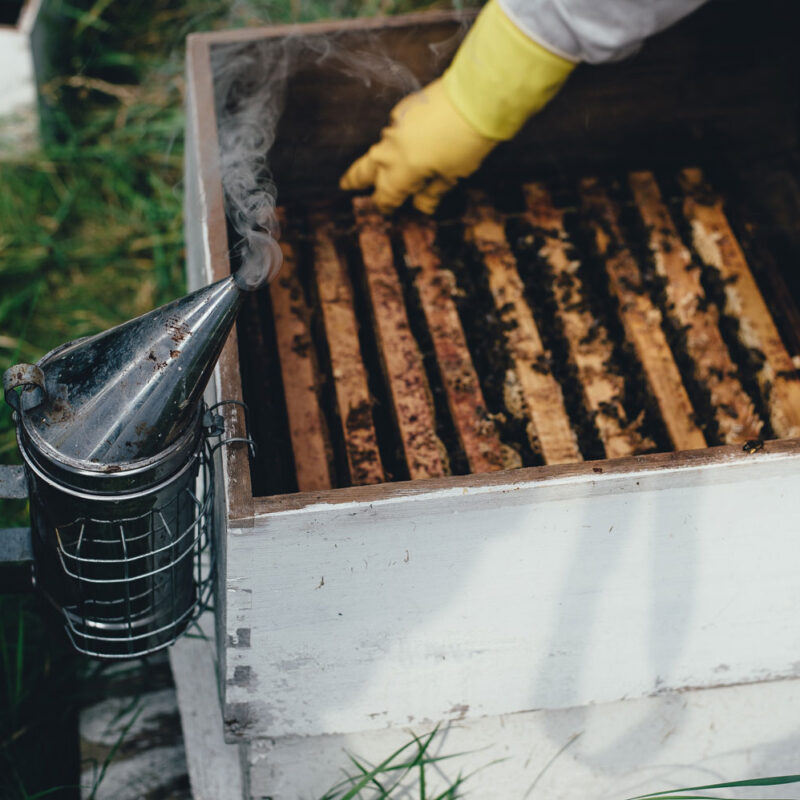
[[595, 31]]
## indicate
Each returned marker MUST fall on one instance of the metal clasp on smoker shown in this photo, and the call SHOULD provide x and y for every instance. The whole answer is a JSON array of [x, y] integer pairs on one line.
[[214, 425]]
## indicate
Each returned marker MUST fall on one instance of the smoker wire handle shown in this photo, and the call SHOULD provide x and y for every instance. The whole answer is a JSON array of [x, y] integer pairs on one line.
[[251, 444], [227, 403]]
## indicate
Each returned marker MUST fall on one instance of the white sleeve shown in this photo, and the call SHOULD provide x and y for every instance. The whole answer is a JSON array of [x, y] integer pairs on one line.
[[595, 30]]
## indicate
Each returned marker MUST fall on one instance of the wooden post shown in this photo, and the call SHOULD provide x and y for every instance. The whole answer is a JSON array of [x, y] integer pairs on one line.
[[353, 399], [686, 304], [717, 246], [641, 319], [531, 380]]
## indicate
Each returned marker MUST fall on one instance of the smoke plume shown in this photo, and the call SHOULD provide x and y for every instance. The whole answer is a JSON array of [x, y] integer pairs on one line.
[[250, 82]]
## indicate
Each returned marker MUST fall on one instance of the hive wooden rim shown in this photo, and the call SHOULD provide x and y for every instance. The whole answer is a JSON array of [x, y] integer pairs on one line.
[[526, 477], [243, 35]]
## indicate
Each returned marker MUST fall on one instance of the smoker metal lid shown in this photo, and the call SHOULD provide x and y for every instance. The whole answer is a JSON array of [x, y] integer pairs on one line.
[[114, 482], [117, 400]]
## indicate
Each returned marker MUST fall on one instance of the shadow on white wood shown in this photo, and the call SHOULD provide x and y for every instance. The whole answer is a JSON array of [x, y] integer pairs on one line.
[[554, 594]]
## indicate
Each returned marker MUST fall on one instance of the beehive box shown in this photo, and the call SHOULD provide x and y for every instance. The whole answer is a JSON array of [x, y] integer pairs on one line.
[[608, 307], [20, 49]]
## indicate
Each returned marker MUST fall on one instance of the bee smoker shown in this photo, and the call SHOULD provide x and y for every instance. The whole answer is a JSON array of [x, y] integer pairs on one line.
[[114, 436]]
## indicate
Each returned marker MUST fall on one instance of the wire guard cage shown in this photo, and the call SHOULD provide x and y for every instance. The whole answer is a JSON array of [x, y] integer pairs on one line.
[[133, 584]]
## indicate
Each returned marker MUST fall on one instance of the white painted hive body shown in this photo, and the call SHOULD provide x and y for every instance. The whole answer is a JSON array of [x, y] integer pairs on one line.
[[638, 612]]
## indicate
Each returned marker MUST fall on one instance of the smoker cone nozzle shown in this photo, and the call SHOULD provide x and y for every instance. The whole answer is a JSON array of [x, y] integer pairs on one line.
[[128, 393]]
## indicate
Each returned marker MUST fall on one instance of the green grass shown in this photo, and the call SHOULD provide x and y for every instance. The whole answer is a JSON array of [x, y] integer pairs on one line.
[[39, 695], [406, 767], [690, 793]]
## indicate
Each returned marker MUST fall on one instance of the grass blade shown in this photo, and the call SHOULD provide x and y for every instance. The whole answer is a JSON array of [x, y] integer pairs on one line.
[[668, 794]]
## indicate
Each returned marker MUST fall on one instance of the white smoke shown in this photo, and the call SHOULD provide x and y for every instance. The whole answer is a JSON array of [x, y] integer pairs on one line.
[[250, 81]]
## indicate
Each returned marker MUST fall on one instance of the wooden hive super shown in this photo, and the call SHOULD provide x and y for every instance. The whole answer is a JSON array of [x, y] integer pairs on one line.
[[607, 306]]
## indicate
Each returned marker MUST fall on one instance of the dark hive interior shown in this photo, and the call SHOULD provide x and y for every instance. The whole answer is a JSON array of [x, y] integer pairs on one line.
[[619, 280]]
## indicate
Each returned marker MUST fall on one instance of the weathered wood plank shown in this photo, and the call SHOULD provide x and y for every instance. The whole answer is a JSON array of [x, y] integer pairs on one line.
[[401, 359], [715, 242], [590, 348], [531, 388], [734, 413], [214, 767], [580, 471], [207, 249], [640, 318], [353, 399], [434, 284], [296, 353]]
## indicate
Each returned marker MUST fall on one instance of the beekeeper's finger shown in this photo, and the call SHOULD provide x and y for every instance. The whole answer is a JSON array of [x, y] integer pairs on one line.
[[427, 199], [393, 184], [361, 173]]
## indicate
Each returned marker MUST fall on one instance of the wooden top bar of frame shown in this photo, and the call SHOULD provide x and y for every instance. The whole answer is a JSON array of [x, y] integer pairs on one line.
[[590, 349], [401, 359], [641, 319], [476, 431], [296, 353], [549, 429], [718, 247], [353, 399], [733, 409]]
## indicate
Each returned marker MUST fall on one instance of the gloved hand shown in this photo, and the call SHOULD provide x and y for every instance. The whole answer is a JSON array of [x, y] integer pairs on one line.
[[424, 151], [498, 78]]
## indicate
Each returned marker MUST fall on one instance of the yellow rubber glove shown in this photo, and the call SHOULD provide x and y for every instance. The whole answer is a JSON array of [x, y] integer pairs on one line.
[[498, 78], [424, 151]]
